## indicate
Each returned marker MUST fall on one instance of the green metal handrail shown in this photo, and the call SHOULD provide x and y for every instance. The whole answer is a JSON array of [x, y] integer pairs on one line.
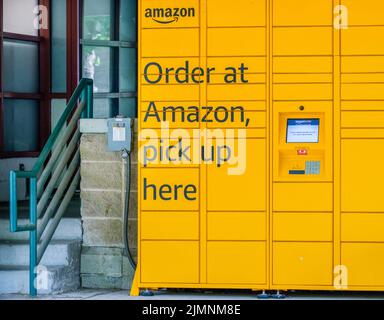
[[53, 163]]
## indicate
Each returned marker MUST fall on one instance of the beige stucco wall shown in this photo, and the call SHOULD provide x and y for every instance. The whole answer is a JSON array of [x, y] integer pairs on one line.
[[102, 209]]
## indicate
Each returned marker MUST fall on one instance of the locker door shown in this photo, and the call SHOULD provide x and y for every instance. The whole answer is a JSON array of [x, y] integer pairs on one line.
[[362, 175], [245, 192]]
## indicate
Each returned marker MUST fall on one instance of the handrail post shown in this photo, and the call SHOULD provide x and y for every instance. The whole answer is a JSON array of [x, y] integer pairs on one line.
[[13, 200], [33, 238], [89, 90]]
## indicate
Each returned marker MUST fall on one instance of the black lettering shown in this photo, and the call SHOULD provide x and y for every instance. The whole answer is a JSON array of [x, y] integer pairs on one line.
[[242, 70], [168, 12], [209, 70], [155, 114], [165, 189], [183, 71], [148, 13], [158, 72], [147, 187], [167, 74], [206, 115], [193, 116], [168, 153], [236, 110], [158, 13], [203, 154], [183, 12], [192, 191], [200, 73], [231, 77], [173, 111], [191, 12], [220, 110], [176, 12]]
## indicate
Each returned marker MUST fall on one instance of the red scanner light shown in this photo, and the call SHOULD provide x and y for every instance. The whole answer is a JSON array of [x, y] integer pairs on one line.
[[302, 152]]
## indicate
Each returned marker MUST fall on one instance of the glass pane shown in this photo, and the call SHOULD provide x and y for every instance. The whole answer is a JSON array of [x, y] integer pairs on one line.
[[59, 45], [97, 19], [19, 16], [128, 20], [97, 65], [57, 109], [21, 66], [105, 108], [128, 107], [21, 125], [127, 69]]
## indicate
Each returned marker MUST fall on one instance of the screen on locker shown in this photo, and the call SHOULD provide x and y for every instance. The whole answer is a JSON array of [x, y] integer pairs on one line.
[[303, 130]]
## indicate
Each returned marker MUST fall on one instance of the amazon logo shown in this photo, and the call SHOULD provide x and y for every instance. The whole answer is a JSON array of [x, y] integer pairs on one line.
[[168, 15]]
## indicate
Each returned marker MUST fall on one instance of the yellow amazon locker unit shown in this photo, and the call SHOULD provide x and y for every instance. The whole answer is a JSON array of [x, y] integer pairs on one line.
[[261, 144]]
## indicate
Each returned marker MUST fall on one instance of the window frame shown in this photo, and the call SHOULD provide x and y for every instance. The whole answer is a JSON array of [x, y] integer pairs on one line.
[[45, 95], [43, 42], [115, 44]]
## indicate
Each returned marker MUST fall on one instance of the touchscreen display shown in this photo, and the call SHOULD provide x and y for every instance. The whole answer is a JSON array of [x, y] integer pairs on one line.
[[303, 130]]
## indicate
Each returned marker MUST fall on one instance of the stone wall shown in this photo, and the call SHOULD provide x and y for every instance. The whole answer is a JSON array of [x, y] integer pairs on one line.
[[102, 209]]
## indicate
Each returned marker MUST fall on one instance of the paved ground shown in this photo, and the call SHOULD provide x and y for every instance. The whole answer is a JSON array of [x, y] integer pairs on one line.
[[86, 294]]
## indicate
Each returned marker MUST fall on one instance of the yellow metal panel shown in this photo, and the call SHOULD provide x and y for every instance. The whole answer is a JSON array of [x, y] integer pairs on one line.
[[302, 197], [173, 134], [177, 124], [362, 133], [241, 192], [161, 225], [228, 13], [254, 64], [362, 91], [236, 226], [295, 41], [362, 13], [236, 262], [363, 227], [255, 119], [362, 175], [364, 262], [362, 119], [148, 105], [235, 41], [291, 226], [303, 78], [302, 13], [180, 79], [302, 64], [249, 77], [169, 261], [247, 105], [362, 41], [359, 78], [176, 92], [237, 92], [362, 64], [307, 91], [171, 177], [170, 42], [256, 133], [302, 263], [362, 105], [173, 64]]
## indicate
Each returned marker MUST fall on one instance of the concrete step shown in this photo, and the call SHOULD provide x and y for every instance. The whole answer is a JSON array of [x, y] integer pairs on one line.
[[51, 279], [68, 229], [59, 252]]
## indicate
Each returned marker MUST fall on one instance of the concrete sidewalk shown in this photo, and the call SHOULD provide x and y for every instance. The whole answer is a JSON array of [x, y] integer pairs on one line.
[[89, 294]]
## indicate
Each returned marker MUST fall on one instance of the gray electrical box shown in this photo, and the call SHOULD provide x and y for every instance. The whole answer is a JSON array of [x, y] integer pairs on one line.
[[119, 134]]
